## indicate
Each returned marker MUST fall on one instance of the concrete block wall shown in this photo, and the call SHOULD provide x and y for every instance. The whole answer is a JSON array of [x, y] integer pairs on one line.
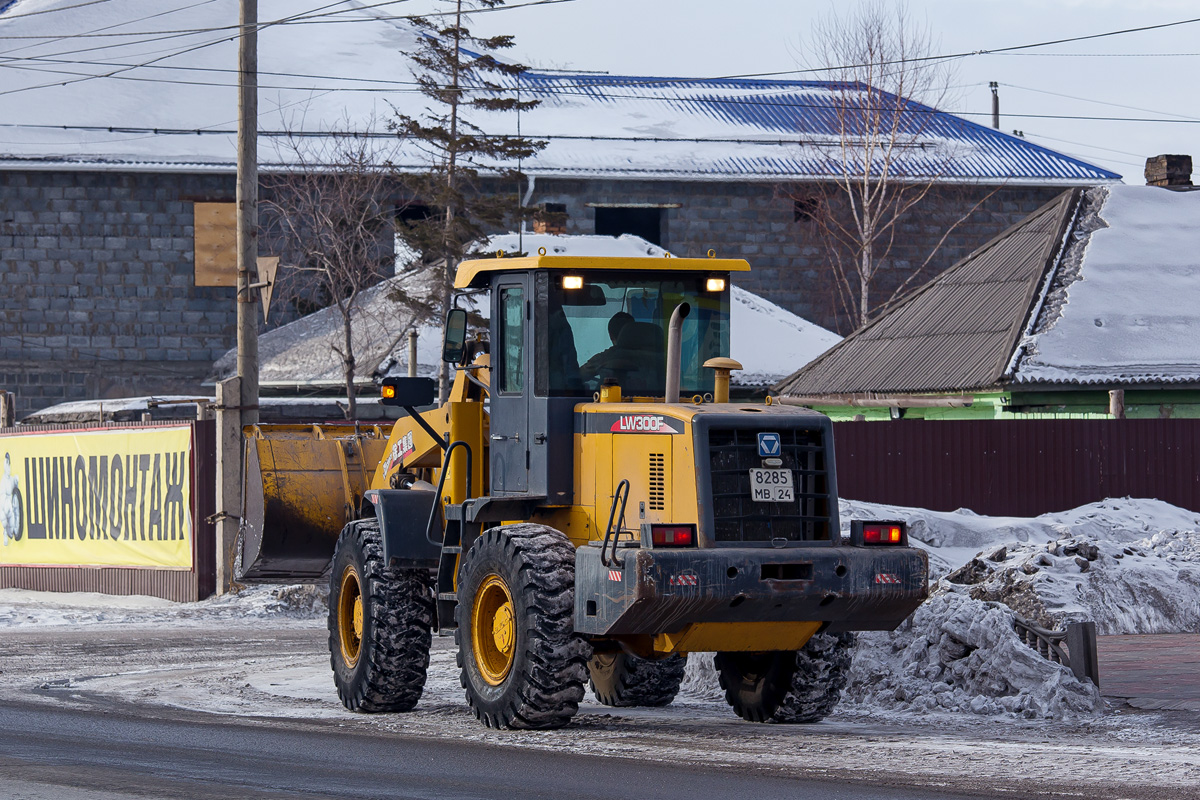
[[99, 297], [756, 221]]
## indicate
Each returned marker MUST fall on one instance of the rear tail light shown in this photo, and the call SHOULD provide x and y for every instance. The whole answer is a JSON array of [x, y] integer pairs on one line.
[[673, 535], [879, 533]]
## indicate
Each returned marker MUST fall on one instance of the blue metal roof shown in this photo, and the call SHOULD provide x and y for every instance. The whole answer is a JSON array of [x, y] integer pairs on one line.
[[799, 121]]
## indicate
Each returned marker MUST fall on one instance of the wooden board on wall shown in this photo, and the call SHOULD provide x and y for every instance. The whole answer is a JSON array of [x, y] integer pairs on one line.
[[216, 244]]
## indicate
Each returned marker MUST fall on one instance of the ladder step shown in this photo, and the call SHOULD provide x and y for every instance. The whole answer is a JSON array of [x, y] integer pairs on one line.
[[449, 596], [450, 548]]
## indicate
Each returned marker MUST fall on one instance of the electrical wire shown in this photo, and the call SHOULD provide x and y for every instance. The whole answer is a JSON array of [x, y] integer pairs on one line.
[[6, 17], [1098, 102]]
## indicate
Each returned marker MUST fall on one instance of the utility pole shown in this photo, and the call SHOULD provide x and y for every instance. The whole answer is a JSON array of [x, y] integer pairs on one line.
[[237, 398], [995, 87], [247, 208]]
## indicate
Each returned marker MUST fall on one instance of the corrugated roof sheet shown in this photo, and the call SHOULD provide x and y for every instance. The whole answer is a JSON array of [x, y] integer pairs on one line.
[[596, 125], [957, 332], [787, 128]]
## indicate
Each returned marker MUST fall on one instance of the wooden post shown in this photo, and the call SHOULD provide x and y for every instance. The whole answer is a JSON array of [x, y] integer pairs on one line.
[[412, 354], [8, 409], [1116, 403], [229, 478], [1081, 647], [247, 212]]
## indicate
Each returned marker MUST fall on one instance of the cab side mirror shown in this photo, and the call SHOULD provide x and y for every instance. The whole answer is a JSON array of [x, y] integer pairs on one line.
[[454, 346]]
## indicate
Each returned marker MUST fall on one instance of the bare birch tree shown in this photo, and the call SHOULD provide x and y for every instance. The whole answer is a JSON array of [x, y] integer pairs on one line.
[[331, 219], [886, 158]]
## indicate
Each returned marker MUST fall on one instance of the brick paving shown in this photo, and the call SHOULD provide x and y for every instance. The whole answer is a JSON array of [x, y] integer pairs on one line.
[[1152, 672]]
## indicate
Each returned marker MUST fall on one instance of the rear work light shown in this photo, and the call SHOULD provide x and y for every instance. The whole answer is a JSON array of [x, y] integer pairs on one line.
[[878, 533], [673, 535]]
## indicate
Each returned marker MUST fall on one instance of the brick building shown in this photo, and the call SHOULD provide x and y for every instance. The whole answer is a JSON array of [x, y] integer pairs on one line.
[[97, 223]]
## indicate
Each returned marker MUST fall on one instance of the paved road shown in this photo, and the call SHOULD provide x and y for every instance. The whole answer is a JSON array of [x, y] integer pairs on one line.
[[65, 754], [1159, 672]]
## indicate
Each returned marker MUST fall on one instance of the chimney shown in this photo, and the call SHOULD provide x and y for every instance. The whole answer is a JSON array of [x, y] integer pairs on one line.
[[550, 218], [995, 87], [1169, 171]]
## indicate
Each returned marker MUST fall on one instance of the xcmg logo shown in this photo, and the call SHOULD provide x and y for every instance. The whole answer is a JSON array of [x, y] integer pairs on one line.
[[642, 423]]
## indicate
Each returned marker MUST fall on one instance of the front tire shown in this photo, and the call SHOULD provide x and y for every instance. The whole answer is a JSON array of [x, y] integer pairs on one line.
[[522, 665], [788, 687], [623, 680], [379, 625]]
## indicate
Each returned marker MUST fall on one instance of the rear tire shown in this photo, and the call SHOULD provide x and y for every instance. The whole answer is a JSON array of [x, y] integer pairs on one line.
[[522, 664], [379, 625], [623, 680], [788, 687]]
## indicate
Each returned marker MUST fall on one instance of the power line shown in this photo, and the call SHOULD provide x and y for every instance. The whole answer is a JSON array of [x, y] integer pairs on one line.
[[6, 17], [294, 19], [1097, 102], [356, 134]]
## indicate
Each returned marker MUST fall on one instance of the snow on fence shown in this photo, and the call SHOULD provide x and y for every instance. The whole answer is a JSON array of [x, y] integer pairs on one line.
[[1018, 467]]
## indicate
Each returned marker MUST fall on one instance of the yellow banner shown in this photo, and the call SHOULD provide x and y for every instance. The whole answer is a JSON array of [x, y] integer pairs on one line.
[[97, 498]]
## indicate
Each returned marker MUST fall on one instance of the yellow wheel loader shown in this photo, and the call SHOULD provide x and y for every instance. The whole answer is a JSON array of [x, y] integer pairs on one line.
[[587, 505]]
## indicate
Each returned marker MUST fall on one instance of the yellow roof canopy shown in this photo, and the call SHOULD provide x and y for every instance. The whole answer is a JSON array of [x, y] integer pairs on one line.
[[474, 272]]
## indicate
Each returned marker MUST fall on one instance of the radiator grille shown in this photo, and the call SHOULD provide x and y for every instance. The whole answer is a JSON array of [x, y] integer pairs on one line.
[[738, 518], [658, 482]]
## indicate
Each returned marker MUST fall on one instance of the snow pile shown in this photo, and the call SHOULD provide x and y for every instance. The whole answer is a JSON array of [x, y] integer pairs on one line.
[[953, 538], [961, 655], [954, 655], [301, 603], [1148, 586], [1129, 565]]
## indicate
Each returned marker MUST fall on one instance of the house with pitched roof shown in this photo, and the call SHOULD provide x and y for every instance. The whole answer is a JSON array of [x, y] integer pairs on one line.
[[113, 163], [1086, 308]]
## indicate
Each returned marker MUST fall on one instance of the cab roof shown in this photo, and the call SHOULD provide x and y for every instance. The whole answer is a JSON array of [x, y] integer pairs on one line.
[[475, 272]]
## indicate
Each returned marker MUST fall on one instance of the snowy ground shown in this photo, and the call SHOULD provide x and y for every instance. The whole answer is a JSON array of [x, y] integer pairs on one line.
[[952, 698]]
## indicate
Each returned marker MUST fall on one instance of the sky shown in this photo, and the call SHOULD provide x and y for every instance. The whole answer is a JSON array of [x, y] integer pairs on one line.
[[1055, 94], [1145, 75]]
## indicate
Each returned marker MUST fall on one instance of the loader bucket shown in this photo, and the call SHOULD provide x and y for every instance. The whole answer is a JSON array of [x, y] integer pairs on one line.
[[303, 483]]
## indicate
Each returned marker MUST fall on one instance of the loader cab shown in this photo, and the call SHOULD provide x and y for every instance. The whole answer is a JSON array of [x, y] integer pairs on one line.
[[563, 327]]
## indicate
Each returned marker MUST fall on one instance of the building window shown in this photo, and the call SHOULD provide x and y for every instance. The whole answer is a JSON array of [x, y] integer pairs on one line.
[[639, 221], [805, 209]]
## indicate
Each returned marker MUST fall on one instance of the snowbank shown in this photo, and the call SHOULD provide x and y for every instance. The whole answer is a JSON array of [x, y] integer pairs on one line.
[[21, 608], [1129, 565], [961, 655]]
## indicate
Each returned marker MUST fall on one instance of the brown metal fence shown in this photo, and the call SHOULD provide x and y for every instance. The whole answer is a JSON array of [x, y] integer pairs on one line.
[[173, 584], [1018, 467]]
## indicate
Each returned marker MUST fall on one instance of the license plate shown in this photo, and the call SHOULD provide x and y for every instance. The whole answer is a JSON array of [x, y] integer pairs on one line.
[[771, 486]]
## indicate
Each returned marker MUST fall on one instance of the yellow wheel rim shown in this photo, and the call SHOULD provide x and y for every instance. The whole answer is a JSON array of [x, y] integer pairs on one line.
[[350, 616], [493, 630]]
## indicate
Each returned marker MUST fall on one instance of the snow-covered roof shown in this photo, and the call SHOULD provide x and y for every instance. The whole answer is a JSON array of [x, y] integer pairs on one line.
[[175, 71], [1101, 286], [1130, 309], [305, 353]]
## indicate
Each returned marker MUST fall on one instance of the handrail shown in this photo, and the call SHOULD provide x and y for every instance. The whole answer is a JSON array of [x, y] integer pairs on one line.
[[1080, 639], [608, 531], [437, 501]]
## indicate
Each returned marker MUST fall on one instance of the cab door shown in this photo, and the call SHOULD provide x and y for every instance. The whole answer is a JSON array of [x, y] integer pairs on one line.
[[512, 379]]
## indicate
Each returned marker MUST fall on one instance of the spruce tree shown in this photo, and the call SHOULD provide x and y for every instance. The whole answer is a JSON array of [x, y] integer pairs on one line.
[[457, 72]]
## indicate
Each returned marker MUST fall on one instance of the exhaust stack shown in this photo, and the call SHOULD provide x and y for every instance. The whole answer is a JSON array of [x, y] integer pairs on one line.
[[674, 346]]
